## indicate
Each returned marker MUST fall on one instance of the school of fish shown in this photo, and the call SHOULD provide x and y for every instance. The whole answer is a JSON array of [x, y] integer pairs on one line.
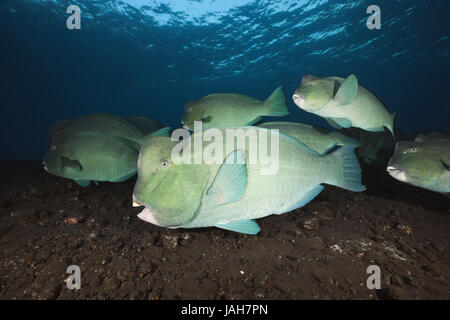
[[210, 172]]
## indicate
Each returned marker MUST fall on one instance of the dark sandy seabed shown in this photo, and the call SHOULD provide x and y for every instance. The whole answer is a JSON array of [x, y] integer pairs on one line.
[[320, 251]]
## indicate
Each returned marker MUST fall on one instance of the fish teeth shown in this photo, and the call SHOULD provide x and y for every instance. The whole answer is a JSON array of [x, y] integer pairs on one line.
[[137, 204]]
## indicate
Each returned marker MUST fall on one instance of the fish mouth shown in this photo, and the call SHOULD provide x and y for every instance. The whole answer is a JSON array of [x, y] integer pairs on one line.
[[392, 168], [147, 216], [397, 173], [136, 202], [298, 100]]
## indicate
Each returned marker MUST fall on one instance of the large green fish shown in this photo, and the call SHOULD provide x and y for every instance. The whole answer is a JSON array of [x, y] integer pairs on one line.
[[103, 123], [319, 139], [231, 193], [97, 147], [343, 103], [91, 156], [232, 110], [423, 163], [143, 124]]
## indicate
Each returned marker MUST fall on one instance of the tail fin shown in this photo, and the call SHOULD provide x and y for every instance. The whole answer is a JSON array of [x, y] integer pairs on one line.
[[349, 175], [163, 132], [391, 124], [275, 104]]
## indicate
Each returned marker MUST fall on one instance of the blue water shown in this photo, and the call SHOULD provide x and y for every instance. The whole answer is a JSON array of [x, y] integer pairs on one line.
[[151, 57]]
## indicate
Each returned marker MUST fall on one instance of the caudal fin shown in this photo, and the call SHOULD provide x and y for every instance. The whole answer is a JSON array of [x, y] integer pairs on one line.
[[391, 124], [163, 132], [348, 173], [275, 104]]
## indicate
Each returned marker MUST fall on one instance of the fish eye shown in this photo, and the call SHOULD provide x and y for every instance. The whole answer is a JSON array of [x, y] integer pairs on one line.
[[410, 150], [165, 164], [206, 119]]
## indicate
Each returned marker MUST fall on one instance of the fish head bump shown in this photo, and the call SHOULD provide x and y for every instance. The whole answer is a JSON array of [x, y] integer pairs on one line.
[[193, 112], [171, 192], [313, 93]]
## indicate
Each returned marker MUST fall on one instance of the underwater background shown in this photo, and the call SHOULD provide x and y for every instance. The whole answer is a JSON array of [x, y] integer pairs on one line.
[[149, 58]]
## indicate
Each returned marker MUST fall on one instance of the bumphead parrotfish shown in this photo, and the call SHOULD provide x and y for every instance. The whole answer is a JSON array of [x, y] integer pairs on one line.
[[92, 156], [231, 192], [423, 163], [103, 123], [95, 147], [343, 103], [221, 110]]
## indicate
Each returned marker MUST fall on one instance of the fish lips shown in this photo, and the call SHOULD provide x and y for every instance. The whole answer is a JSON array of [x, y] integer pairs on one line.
[[396, 173], [147, 214], [299, 100]]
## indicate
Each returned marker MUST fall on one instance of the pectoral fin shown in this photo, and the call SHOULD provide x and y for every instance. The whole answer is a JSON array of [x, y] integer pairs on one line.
[[125, 177], [72, 164], [82, 183], [333, 123], [231, 180], [375, 129], [243, 226], [339, 123], [348, 90]]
